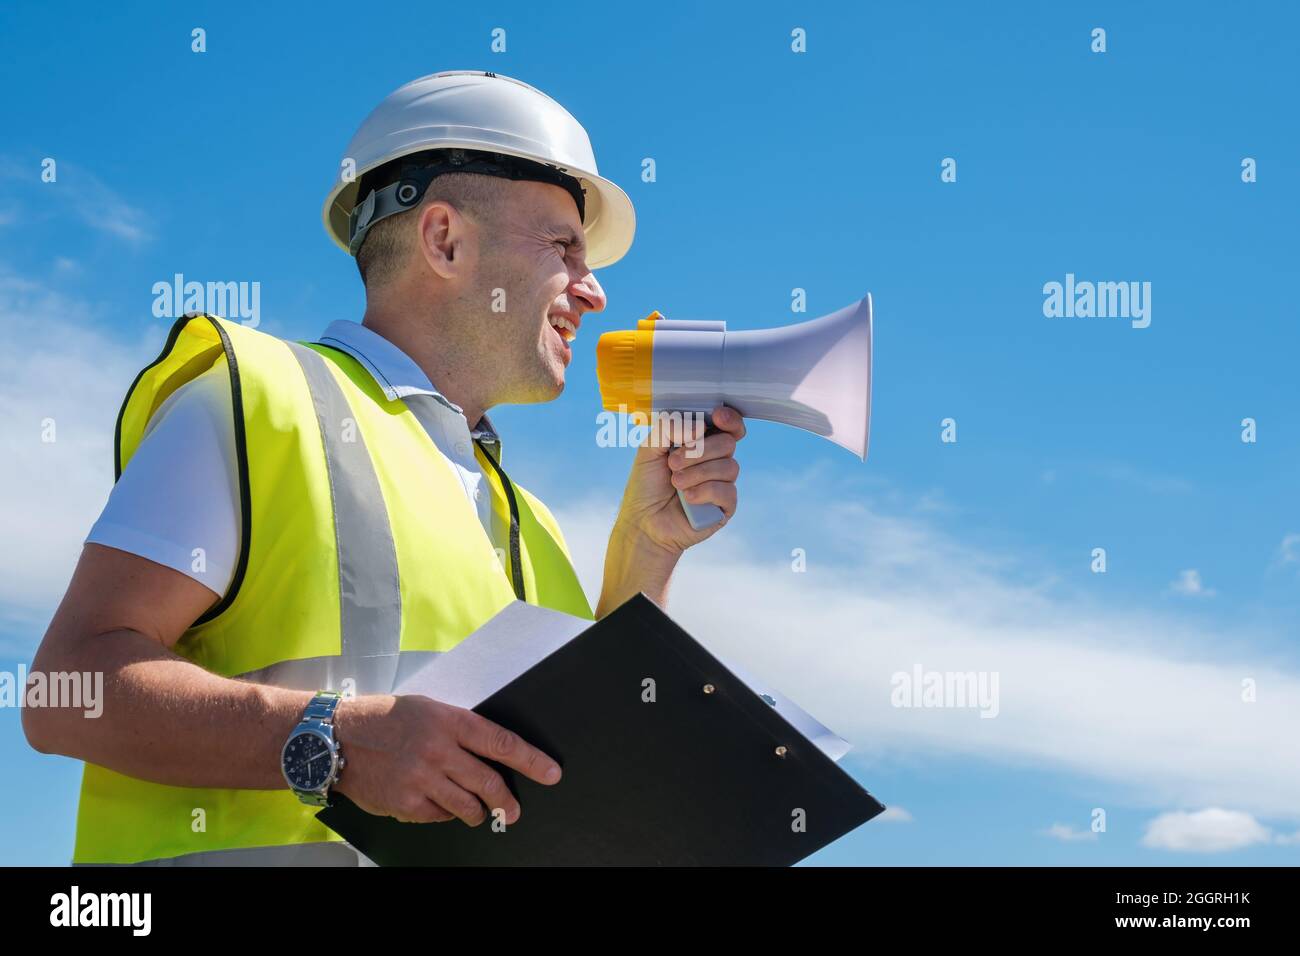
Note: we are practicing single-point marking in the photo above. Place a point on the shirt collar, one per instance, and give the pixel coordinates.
(395, 372)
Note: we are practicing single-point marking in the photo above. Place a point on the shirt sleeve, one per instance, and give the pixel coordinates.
(177, 501)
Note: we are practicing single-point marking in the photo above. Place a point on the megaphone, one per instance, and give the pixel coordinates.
(815, 376)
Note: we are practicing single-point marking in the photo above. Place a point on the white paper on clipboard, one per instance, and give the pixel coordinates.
(522, 635)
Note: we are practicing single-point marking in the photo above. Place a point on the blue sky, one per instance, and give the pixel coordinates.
(778, 170)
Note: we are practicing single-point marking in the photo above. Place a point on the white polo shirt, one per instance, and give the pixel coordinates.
(177, 501)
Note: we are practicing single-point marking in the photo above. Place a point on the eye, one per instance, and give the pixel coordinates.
(570, 248)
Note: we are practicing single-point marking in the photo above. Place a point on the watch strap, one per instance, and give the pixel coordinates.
(319, 713)
(322, 706)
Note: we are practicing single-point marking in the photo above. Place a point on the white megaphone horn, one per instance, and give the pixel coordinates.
(815, 376)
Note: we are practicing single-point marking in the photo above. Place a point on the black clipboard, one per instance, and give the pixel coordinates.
(706, 774)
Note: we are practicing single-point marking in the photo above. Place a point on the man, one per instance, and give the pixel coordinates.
(293, 521)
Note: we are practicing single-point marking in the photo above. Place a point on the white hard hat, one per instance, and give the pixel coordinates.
(488, 123)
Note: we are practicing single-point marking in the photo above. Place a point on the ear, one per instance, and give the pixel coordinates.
(446, 240)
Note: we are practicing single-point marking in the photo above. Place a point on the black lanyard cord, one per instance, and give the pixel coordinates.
(516, 566)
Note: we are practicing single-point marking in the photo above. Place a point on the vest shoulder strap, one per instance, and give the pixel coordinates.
(195, 343)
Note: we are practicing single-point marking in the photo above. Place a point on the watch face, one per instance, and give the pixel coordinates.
(307, 761)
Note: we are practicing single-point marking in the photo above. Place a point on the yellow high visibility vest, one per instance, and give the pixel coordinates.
(360, 556)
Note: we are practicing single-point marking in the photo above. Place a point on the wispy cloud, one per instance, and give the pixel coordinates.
(1068, 834)
(1189, 584)
(1140, 698)
(895, 815)
(1147, 480)
(100, 207)
(63, 381)
(82, 194)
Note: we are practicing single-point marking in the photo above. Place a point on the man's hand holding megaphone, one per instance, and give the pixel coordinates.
(682, 467)
(683, 464)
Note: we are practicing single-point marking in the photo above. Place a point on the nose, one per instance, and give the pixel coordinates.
(588, 291)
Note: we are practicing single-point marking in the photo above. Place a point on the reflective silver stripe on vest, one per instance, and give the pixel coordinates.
(296, 854)
(370, 606)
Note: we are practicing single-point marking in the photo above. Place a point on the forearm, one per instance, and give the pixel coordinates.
(632, 564)
(165, 719)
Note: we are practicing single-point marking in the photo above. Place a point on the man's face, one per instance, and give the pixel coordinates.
(536, 286)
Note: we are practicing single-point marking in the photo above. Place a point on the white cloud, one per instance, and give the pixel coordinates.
(1205, 831)
(1188, 583)
(1290, 549)
(1147, 701)
(1068, 834)
(70, 375)
(895, 815)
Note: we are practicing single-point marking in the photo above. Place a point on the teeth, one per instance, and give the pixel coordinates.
(564, 327)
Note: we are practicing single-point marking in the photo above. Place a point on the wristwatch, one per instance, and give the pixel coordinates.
(311, 759)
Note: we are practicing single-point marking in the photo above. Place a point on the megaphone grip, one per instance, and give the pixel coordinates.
(700, 516)
(706, 515)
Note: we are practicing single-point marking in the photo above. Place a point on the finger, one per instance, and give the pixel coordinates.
(656, 441)
(720, 493)
(670, 429)
(716, 469)
(420, 809)
(440, 813)
(729, 420)
(481, 736)
(457, 800)
(720, 445)
(478, 778)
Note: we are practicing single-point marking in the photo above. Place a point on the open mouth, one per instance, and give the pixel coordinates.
(568, 331)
